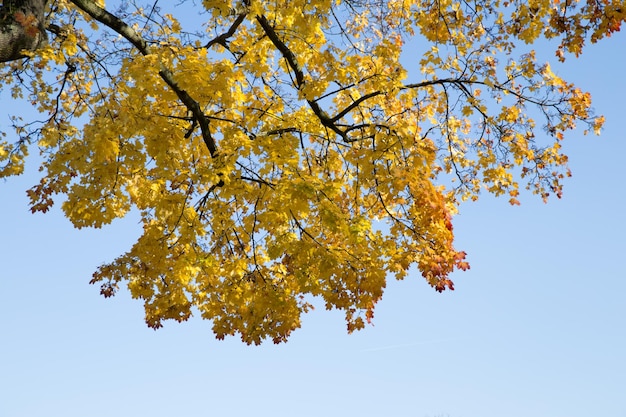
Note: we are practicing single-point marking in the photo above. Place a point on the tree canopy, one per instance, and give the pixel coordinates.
(282, 152)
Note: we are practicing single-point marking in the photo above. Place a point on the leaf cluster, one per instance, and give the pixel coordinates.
(290, 151)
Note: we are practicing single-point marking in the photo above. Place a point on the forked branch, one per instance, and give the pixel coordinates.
(119, 26)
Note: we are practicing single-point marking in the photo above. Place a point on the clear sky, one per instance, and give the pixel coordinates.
(535, 328)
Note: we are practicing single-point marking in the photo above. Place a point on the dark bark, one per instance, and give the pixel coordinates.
(22, 27)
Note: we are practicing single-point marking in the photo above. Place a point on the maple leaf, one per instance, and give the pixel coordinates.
(29, 22)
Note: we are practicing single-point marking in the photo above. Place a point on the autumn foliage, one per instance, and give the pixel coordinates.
(286, 152)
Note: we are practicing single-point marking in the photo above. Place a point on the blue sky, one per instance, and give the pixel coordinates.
(535, 328)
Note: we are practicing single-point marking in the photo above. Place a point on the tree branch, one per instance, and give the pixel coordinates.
(223, 38)
(299, 74)
(21, 28)
(119, 26)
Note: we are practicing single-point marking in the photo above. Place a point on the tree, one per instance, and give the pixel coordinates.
(286, 151)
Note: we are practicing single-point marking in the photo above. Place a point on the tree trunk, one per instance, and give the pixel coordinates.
(22, 28)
